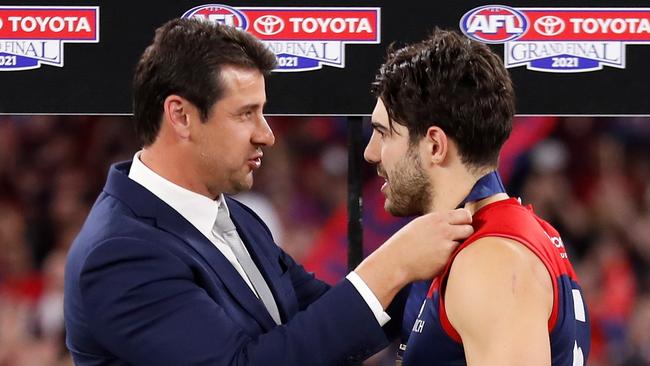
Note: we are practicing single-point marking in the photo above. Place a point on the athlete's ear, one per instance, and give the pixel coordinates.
(437, 145)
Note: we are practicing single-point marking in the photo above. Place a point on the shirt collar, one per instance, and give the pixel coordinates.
(199, 210)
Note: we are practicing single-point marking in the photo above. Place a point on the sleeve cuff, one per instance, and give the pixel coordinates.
(369, 297)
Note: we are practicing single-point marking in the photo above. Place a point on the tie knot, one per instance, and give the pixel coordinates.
(223, 223)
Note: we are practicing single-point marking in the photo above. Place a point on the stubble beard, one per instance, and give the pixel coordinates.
(410, 192)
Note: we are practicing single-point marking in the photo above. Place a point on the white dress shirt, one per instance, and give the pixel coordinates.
(201, 212)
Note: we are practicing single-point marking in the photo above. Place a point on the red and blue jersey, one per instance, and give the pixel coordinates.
(432, 340)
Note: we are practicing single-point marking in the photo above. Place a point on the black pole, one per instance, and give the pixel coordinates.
(355, 159)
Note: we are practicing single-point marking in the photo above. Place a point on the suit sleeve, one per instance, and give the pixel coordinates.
(307, 287)
(395, 310)
(144, 306)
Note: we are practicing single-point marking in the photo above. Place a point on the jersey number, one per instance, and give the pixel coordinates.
(579, 311)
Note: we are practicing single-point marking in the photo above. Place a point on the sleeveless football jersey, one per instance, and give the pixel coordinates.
(432, 339)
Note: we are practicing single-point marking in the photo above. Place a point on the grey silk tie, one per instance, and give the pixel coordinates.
(226, 228)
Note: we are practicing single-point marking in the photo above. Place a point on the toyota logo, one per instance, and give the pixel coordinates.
(268, 25)
(549, 25)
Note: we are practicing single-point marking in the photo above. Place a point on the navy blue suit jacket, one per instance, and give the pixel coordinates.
(145, 287)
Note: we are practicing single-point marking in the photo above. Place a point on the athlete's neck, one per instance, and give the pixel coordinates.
(452, 186)
(453, 181)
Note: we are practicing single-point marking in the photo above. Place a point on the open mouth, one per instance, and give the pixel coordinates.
(255, 163)
(385, 185)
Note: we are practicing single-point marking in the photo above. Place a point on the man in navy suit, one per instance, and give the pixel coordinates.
(168, 270)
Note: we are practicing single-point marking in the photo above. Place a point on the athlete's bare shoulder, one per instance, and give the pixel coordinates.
(499, 297)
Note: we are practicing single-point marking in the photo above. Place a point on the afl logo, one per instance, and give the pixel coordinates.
(494, 24)
(268, 25)
(218, 14)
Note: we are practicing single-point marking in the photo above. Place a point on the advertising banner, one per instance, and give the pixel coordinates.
(77, 57)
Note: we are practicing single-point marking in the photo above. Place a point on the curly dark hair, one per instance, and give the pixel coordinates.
(452, 82)
(185, 58)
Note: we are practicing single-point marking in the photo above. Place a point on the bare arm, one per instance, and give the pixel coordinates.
(499, 297)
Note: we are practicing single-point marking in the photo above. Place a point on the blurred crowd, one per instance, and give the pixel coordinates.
(590, 177)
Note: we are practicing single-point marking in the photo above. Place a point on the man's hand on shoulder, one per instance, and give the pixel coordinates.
(418, 251)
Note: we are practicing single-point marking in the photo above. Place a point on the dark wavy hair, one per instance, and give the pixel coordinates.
(185, 58)
(452, 82)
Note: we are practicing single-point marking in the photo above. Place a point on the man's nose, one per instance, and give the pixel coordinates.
(263, 134)
(371, 153)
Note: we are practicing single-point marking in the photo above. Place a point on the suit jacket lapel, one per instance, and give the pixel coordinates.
(251, 233)
(237, 287)
(146, 204)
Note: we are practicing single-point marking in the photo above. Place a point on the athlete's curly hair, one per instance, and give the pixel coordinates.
(452, 82)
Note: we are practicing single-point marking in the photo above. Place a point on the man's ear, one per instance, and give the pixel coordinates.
(437, 145)
(176, 110)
